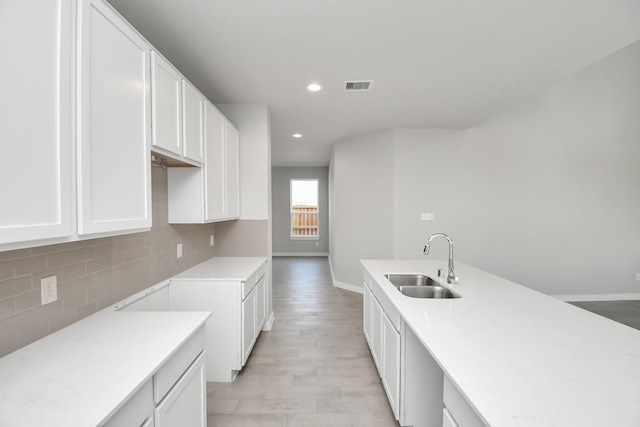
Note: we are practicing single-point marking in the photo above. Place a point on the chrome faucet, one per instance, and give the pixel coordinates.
(451, 277)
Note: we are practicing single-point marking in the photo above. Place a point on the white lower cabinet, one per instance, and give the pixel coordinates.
(237, 320)
(366, 319)
(175, 395)
(384, 342)
(248, 325)
(391, 363)
(411, 378)
(185, 404)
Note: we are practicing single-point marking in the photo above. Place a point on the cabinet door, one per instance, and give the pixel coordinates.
(165, 90)
(232, 171)
(192, 122)
(185, 404)
(376, 333)
(36, 129)
(366, 319)
(214, 163)
(260, 305)
(114, 175)
(248, 324)
(391, 363)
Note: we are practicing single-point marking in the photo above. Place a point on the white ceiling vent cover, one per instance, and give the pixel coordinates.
(358, 85)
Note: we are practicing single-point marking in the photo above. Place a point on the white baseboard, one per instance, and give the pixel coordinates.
(269, 323)
(322, 254)
(598, 297)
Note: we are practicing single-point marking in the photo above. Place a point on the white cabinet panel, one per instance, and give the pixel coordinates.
(376, 333)
(186, 403)
(261, 305)
(136, 410)
(458, 407)
(366, 320)
(447, 419)
(232, 172)
(36, 130)
(248, 325)
(192, 122)
(166, 90)
(391, 363)
(114, 175)
(214, 163)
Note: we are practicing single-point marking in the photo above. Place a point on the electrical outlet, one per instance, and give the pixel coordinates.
(211, 240)
(179, 250)
(427, 216)
(49, 289)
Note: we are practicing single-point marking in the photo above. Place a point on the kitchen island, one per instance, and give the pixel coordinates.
(517, 357)
(109, 369)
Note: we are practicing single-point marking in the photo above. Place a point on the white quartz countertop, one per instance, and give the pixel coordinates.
(522, 358)
(223, 268)
(80, 375)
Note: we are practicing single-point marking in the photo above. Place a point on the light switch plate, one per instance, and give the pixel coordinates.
(211, 241)
(637, 277)
(179, 250)
(427, 216)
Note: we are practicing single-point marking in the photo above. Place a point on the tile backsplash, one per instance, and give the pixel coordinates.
(94, 274)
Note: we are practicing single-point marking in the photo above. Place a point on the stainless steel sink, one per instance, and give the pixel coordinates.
(427, 292)
(420, 286)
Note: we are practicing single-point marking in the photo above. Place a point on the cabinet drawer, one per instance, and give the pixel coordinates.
(173, 369)
(253, 279)
(136, 410)
(458, 407)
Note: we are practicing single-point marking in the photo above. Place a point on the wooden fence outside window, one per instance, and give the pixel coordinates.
(304, 221)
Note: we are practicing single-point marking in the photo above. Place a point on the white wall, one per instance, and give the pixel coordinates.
(361, 208)
(547, 193)
(281, 193)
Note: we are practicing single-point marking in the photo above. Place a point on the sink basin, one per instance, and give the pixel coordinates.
(420, 286)
(427, 292)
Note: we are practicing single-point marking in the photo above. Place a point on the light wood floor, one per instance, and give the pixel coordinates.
(313, 368)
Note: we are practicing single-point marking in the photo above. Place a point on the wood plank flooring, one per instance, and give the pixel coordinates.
(313, 368)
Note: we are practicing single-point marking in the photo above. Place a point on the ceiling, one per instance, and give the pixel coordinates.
(435, 63)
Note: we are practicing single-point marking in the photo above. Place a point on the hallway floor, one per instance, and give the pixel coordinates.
(313, 368)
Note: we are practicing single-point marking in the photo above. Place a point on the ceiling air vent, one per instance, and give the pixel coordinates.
(358, 86)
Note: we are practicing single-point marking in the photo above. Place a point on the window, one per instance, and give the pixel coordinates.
(304, 209)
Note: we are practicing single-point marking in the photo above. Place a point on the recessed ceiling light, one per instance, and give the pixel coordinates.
(297, 135)
(314, 87)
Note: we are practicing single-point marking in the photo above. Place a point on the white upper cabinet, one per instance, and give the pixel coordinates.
(165, 93)
(36, 126)
(176, 113)
(210, 193)
(114, 171)
(192, 122)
